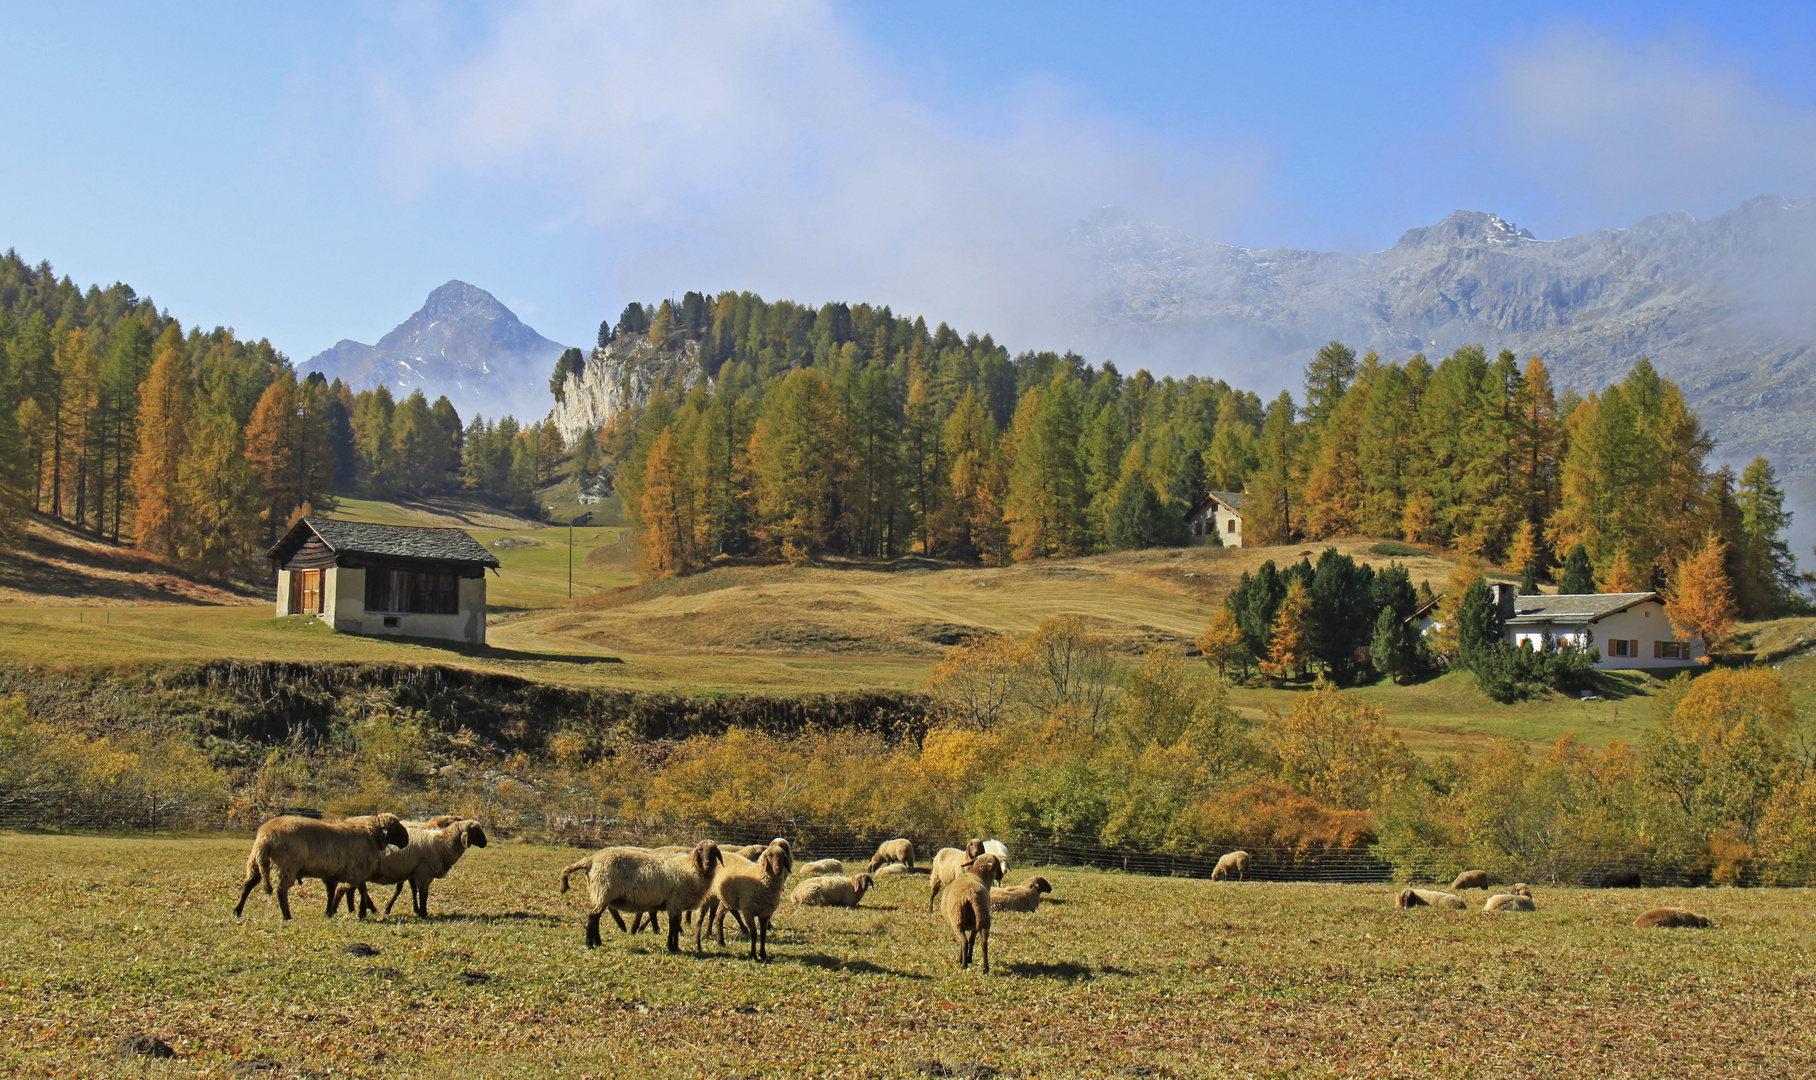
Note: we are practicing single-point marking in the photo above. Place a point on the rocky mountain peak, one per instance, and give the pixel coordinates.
(1465, 227)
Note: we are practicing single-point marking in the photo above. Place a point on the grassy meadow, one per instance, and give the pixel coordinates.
(1119, 976)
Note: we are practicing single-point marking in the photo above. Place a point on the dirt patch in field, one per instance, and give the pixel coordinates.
(55, 565)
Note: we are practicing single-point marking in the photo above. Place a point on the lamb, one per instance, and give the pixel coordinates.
(1513, 901)
(431, 854)
(1023, 897)
(335, 851)
(949, 863)
(966, 907)
(753, 892)
(996, 848)
(1668, 917)
(832, 891)
(823, 866)
(1622, 879)
(1470, 879)
(1412, 898)
(900, 850)
(1236, 862)
(634, 879)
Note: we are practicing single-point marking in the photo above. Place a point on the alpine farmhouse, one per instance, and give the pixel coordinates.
(402, 580)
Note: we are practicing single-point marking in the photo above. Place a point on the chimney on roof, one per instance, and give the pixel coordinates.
(1503, 598)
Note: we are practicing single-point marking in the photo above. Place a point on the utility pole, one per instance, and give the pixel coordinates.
(581, 520)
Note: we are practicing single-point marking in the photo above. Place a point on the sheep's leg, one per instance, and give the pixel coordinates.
(592, 930)
(332, 884)
(365, 902)
(619, 919)
(985, 934)
(252, 881)
(399, 891)
(738, 917)
(419, 895)
(284, 882)
(674, 928)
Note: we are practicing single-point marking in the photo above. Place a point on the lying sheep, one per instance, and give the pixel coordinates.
(1669, 917)
(431, 854)
(823, 866)
(1622, 879)
(1412, 898)
(1236, 862)
(966, 907)
(1023, 897)
(832, 891)
(1509, 902)
(900, 850)
(335, 851)
(948, 864)
(893, 868)
(996, 848)
(635, 879)
(753, 891)
(1470, 879)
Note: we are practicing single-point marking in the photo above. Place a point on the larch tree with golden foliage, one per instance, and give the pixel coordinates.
(666, 544)
(1700, 603)
(1291, 648)
(166, 406)
(1222, 644)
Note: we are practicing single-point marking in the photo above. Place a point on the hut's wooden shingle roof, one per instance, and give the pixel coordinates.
(393, 541)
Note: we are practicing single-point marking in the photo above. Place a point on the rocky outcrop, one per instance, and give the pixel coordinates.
(622, 376)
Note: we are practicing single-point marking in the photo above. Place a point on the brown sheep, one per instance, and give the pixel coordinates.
(751, 892)
(1669, 916)
(949, 863)
(1412, 898)
(832, 891)
(335, 851)
(899, 850)
(632, 879)
(1236, 862)
(1470, 879)
(431, 854)
(821, 867)
(1023, 897)
(966, 907)
(1509, 902)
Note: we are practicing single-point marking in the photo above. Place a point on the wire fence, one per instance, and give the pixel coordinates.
(853, 843)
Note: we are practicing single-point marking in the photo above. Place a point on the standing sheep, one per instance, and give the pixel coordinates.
(1412, 898)
(1622, 879)
(832, 891)
(1023, 897)
(949, 863)
(431, 854)
(1669, 917)
(635, 879)
(1236, 862)
(899, 850)
(335, 851)
(753, 892)
(1470, 879)
(966, 907)
(1001, 851)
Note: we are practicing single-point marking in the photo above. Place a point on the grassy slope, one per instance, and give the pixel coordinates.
(1124, 975)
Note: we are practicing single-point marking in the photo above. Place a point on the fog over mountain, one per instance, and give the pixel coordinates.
(462, 343)
(1727, 307)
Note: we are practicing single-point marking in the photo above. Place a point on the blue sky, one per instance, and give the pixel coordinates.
(310, 172)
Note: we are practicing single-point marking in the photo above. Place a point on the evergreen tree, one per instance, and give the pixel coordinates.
(799, 458)
(216, 493)
(634, 320)
(662, 328)
(1271, 512)
(571, 362)
(1394, 647)
(606, 334)
(375, 444)
(1137, 518)
(1579, 574)
(1327, 379)
(1768, 572)
(1045, 504)
(1529, 581)
(1479, 628)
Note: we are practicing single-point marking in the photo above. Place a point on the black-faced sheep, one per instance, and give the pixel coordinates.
(828, 891)
(949, 863)
(1412, 898)
(1470, 879)
(1236, 862)
(293, 848)
(1622, 879)
(1023, 897)
(1669, 917)
(633, 879)
(966, 908)
(899, 850)
(431, 854)
(753, 891)
(821, 868)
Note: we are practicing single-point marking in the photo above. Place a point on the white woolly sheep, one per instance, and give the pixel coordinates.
(635, 879)
(431, 854)
(829, 891)
(900, 850)
(966, 908)
(1023, 897)
(1236, 862)
(1001, 851)
(752, 891)
(949, 863)
(892, 868)
(823, 866)
(1412, 898)
(1669, 917)
(335, 851)
(1509, 902)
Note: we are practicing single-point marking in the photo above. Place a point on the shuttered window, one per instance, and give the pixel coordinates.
(412, 592)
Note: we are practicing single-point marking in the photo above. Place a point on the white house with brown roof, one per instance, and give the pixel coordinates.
(1630, 629)
(1218, 514)
(402, 580)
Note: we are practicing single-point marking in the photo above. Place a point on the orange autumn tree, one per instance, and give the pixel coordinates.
(1222, 644)
(1292, 641)
(166, 404)
(1700, 603)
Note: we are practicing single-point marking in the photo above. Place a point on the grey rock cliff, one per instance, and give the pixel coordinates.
(621, 376)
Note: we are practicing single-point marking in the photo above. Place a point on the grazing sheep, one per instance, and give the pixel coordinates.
(753, 892)
(1236, 862)
(335, 851)
(966, 907)
(1622, 879)
(1470, 879)
(1669, 916)
(949, 863)
(997, 848)
(635, 879)
(824, 866)
(1023, 897)
(431, 854)
(1509, 902)
(1412, 898)
(900, 850)
(832, 891)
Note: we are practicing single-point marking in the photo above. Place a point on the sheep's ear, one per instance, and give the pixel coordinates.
(476, 834)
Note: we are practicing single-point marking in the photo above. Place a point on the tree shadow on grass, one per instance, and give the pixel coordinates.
(856, 967)
(1066, 970)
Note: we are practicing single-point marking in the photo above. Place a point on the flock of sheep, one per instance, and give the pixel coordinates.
(706, 882)
(703, 883)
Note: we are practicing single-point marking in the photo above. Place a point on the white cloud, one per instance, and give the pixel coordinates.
(767, 146)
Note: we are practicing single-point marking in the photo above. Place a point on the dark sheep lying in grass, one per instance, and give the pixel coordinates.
(337, 852)
(1412, 898)
(1668, 917)
(1622, 879)
(1470, 879)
